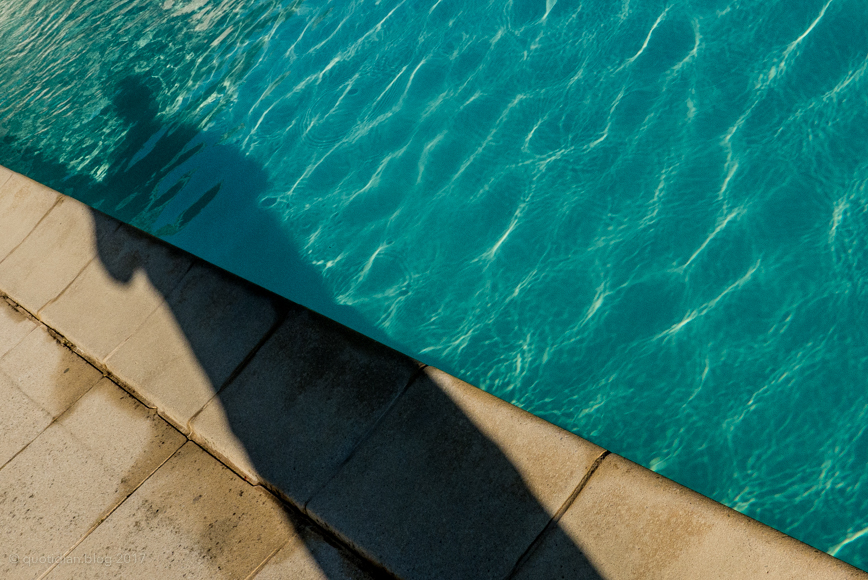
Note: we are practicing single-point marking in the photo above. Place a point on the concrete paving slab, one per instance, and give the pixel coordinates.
(184, 352)
(5, 174)
(14, 326)
(54, 253)
(47, 372)
(21, 420)
(74, 474)
(630, 523)
(311, 557)
(23, 203)
(131, 438)
(116, 292)
(303, 403)
(192, 519)
(454, 483)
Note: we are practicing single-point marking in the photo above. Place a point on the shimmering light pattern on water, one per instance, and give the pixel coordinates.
(645, 221)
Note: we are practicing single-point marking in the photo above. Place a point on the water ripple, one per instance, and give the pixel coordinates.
(654, 212)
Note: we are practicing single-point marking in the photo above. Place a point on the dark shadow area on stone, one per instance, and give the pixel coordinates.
(316, 398)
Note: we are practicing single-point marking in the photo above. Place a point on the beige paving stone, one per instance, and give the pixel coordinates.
(47, 372)
(191, 344)
(22, 204)
(454, 483)
(130, 438)
(212, 429)
(311, 557)
(5, 174)
(53, 254)
(192, 519)
(71, 476)
(14, 326)
(302, 404)
(630, 523)
(116, 292)
(21, 420)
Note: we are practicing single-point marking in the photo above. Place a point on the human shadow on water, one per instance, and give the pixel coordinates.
(355, 435)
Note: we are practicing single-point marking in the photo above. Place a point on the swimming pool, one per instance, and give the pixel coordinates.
(646, 222)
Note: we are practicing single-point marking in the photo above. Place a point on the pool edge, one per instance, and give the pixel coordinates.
(607, 517)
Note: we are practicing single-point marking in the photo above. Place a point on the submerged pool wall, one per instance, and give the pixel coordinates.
(420, 474)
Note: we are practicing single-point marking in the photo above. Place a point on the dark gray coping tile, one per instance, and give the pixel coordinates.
(300, 407)
(454, 483)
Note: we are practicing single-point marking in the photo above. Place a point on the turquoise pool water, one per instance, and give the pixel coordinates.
(645, 221)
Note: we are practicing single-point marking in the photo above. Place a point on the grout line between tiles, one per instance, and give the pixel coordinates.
(18, 245)
(364, 438)
(282, 315)
(553, 522)
(163, 300)
(297, 510)
(108, 514)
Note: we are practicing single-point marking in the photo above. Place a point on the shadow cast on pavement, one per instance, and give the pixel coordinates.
(394, 459)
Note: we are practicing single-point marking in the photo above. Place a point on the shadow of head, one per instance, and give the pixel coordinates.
(349, 431)
(116, 257)
(135, 99)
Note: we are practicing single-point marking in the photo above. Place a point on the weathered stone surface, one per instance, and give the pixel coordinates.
(14, 326)
(131, 439)
(192, 519)
(630, 523)
(22, 204)
(187, 349)
(5, 174)
(302, 404)
(54, 253)
(50, 374)
(454, 483)
(74, 474)
(21, 420)
(311, 557)
(116, 292)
